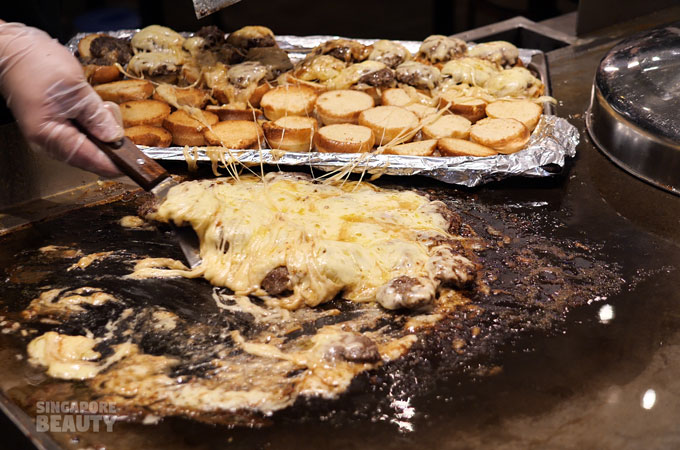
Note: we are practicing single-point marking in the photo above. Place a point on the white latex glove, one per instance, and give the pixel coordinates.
(46, 90)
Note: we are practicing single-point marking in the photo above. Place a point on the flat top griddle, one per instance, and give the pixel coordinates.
(579, 385)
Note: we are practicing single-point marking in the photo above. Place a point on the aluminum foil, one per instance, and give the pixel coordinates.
(552, 141)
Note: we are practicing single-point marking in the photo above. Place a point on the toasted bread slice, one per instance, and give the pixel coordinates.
(344, 138)
(418, 148)
(238, 134)
(256, 97)
(473, 109)
(288, 100)
(84, 45)
(462, 147)
(228, 112)
(292, 133)
(342, 106)
(395, 97)
(529, 113)
(100, 74)
(149, 135)
(388, 122)
(144, 112)
(190, 73)
(188, 96)
(421, 110)
(187, 129)
(449, 125)
(125, 90)
(289, 78)
(502, 135)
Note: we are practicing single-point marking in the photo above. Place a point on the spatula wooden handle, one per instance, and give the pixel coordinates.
(131, 161)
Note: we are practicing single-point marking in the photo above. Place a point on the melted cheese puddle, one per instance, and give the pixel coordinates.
(350, 239)
(73, 357)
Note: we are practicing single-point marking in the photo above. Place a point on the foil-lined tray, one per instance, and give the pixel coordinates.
(553, 140)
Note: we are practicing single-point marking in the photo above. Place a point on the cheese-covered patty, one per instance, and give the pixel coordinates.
(306, 242)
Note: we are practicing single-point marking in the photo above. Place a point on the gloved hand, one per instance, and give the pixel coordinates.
(46, 89)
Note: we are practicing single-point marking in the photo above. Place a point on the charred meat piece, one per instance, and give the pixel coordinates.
(107, 50)
(418, 75)
(212, 36)
(345, 50)
(247, 73)
(389, 53)
(437, 48)
(451, 268)
(277, 281)
(212, 42)
(383, 78)
(252, 36)
(406, 292)
(273, 58)
(354, 348)
(500, 52)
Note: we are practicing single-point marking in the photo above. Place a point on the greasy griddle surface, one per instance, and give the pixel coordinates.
(534, 272)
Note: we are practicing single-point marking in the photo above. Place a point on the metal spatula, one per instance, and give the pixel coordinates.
(206, 7)
(152, 177)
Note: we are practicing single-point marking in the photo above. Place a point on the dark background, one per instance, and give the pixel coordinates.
(398, 19)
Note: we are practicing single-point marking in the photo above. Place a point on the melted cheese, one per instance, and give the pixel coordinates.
(245, 74)
(515, 82)
(194, 45)
(438, 48)
(321, 67)
(499, 52)
(350, 75)
(156, 37)
(389, 53)
(133, 222)
(418, 74)
(473, 71)
(53, 302)
(150, 62)
(87, 260)
(351, 238)
(72, 357)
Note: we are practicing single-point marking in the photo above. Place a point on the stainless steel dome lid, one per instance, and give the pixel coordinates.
(634, 115)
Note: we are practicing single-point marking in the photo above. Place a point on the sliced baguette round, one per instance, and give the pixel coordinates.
(187, 129)
(342, 106)
(100, 74)
(388, 122)
(256, 97)
(449, 125)
(229, 112)
(144, 112)
(344, 138)
(421, 110)
(288, 100)
(124, 90)
(529, 113)
(503, 135)
(418, 148)
(188, 96)
(472, 108)
(149, 135)
(291, 133)
(84, 45)
(462, 147)
(395, 97)
(237, 134)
